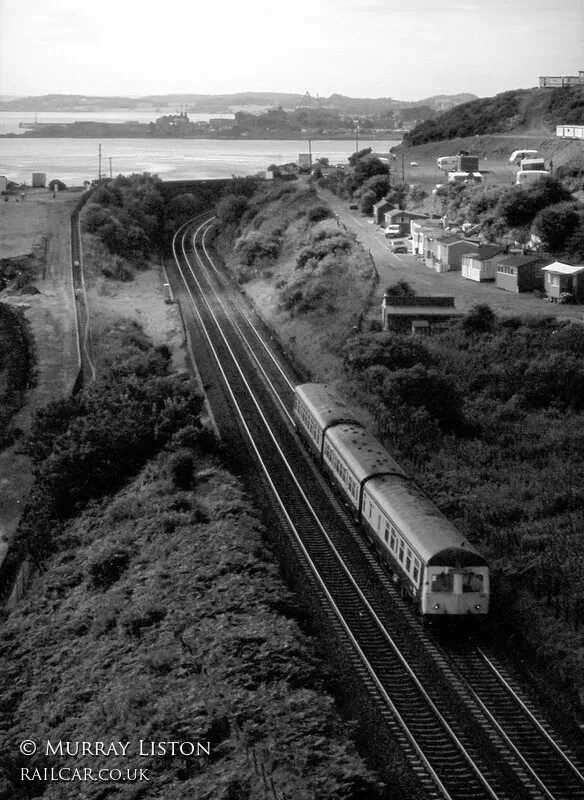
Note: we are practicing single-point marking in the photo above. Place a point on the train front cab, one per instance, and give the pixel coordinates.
(459, 589)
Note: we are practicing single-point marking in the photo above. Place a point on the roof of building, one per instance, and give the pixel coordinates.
(382, 204)
(450, 238)
(517, 259)
(563, 269)
(422, 311)
(485, 252)
(409, 214)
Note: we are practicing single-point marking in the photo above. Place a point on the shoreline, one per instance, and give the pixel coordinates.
(288, 136)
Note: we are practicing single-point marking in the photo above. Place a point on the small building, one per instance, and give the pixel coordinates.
(416, 314)
(480, 265)
(420, 229)
(39, 180)
(519, 273)
(3, 184)
(445, 252)
(220, 124)
(379, 210)
(564, 279)
(397, 216)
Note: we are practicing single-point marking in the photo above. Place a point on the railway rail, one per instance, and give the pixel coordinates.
(460, 745)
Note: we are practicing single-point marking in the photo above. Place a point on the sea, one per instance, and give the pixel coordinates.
(74, 161)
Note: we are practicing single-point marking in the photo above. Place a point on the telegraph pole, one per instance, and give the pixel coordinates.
(357, 145)
(99, 173)
(110, 160)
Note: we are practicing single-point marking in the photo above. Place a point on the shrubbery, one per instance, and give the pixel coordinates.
(126, 214)
(487, 115)
(88, 446)
(254, 247)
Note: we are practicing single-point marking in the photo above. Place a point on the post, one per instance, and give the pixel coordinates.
(110, 160)
(357, 145)
(310, 154)
(99, 172)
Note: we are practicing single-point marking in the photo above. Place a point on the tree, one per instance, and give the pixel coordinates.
(368, 199)
(398, 194)
(480, 319)
(575, 244)
(417, 194)
(358, 156)
(555, 225)
(400, 289)
(231, 209)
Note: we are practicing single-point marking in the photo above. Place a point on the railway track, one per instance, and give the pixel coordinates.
(456, 748)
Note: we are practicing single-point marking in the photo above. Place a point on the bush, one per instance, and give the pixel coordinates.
(181, 466)
(256, 246)
(480, 319)
(318, 213)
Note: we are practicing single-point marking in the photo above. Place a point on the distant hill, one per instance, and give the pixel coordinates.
(517, 111)
(208, 103)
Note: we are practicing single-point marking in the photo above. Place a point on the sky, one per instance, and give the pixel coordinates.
(404, 49)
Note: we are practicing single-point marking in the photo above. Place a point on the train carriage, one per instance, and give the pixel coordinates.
(353, 456)
(438, 567)
(316, 408)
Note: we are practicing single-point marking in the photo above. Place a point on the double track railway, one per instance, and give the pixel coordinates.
(465, 730)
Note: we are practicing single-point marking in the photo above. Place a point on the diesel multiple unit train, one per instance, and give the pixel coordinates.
(436, 566)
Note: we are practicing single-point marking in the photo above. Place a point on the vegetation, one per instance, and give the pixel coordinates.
(487, 115)
(567, 105)
(16, 367)
(488, 417)
(503, 112)
(546, 208)
(159, 614)
(318, 268)
(126, 214)
(86, 447)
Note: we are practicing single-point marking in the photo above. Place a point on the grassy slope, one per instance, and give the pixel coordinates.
(185, 645)
(313, 337)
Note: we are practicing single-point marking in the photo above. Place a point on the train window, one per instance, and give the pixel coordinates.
(386, 533)
(393, 542)
(416, 571)
(408, 560)
(472, 582)
(442, 582)
(401, 551)
(378, 521)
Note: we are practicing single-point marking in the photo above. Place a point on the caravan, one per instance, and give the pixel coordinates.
(517, 156)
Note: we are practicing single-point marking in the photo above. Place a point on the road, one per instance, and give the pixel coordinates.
(426, 281)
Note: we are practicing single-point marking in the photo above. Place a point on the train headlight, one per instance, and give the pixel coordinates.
(437, 606)
(478, 606)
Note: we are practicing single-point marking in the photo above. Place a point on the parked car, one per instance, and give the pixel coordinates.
(398, 246)
(392, 230)
(353, 207)
(414, 164)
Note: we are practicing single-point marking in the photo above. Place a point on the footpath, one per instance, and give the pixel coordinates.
(41, 224)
